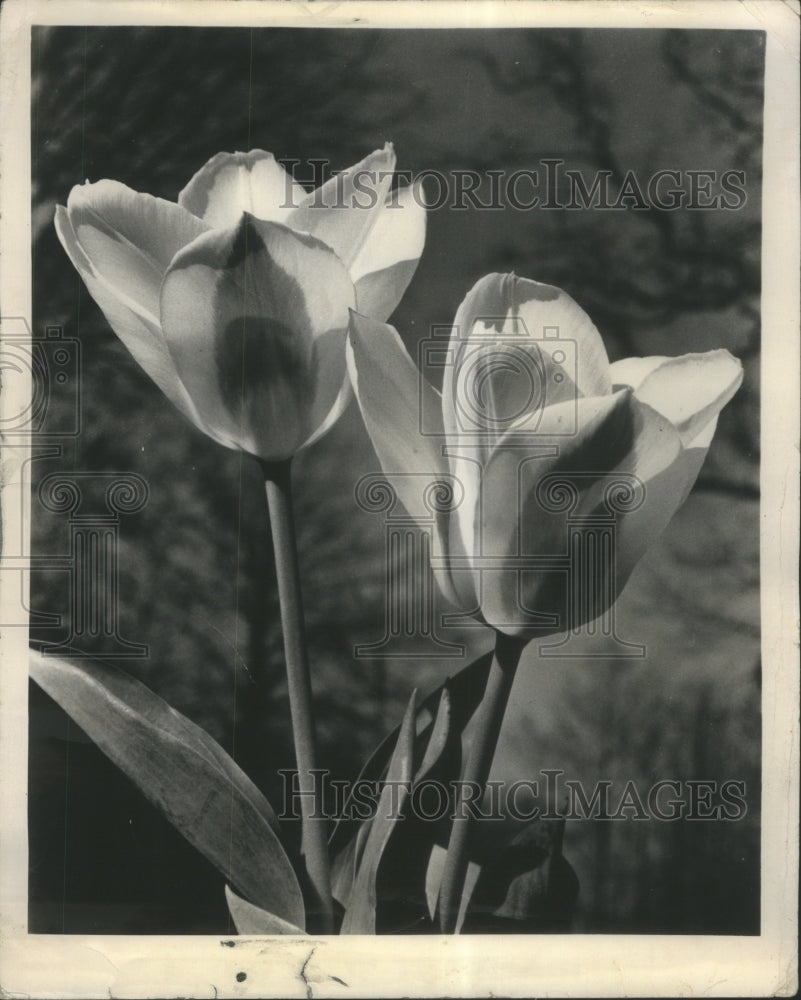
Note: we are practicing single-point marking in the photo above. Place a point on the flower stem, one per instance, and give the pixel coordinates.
(314, 846)
(488, 727)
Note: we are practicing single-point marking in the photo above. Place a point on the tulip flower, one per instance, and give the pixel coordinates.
(529, 400)
(529, 393)
(235, 300)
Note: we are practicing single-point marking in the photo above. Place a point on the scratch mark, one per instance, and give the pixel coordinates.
(340, 981)
(306, 983)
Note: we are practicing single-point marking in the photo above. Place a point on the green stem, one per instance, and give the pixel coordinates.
(277, 478)
(488, 727)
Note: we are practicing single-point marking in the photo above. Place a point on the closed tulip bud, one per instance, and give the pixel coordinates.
(531, 405)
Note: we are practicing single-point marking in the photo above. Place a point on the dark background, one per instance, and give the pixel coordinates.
(148, 107)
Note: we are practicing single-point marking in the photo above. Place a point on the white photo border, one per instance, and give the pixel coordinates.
(555, 965)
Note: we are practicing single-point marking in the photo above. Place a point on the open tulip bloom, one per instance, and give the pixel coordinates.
(531, 428)
(235, 300)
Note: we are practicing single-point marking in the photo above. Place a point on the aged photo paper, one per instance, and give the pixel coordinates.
(399, 415)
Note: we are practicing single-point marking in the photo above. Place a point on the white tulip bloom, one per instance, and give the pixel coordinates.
(517, 406)
(235, 300)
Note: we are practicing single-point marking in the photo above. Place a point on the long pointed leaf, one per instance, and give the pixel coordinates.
(436, 866)
(438, 741)
(250, 919)
(466, 688)
(181, 770)
(402, 876)
(361, 912)
(405, 858)
(346, 864)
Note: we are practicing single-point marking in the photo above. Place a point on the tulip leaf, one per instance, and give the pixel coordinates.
(436, 866)
(400, 886)
(345, 865)
(516, 883)
(401, 892)
(343, 871)
(426, 823)
(184, 773)
(466, 689)
(250, 919)
(360, 916)
(528, 888)
(440, 732)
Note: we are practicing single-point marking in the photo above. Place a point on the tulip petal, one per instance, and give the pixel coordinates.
(344, 210)
(632, 371)
(233, 183)
(689, 390)
(379, 293)
(141, 336)
(388, 388)
(130, 239)
(694, 456)
(253, 316)
(392, 396)
(661, 472)
(333, 388)
(518, 346)
(518, 521)
(666, 490)
(383, 267)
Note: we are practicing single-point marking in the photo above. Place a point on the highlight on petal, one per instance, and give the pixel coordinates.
(517, 347)
(140, 334)
(391, 396)
(388, 388)
(387, 260)
(379, 293)
(689, 390)
(666, 490)
(252, 316)
(233, 183)
(130, 239)
(632, 371)
(344, 210)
